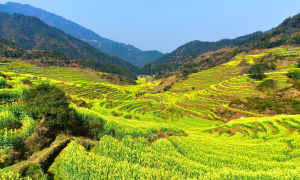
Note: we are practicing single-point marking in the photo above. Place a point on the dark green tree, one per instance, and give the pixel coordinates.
(258, 71)
(267, 85)
(50, 105)
(295, 77)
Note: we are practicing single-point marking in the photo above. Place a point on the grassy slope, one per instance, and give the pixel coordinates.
(261, 147)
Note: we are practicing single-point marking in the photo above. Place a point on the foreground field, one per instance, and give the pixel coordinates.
(177, 134)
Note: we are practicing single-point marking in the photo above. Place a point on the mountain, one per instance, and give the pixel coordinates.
(178, 59)
(194, 48)
(32, 33)
(197, 55)
(288, 32)
(45, 58)
(127, 52)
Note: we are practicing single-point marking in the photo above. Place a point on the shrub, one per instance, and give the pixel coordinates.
(278, 105)
(27, 82)
(266, 85)
(297, 85)
(167, 88)
(258, 71)
(128, 116)
(295, 40)
(258, 76)
(2, 83)
(261, 67)
(115, 114)
(35, 171)
(95, 128)
(49, 103)
(10, 94)
(295, 75)
(8, 120)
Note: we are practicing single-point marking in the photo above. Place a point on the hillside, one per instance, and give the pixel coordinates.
(188, 55)
(129, 53)
(231, 113)
(47, 58)
(197, 56)
(31, 33)
(157, 129)
(195, 48)
(288, 32)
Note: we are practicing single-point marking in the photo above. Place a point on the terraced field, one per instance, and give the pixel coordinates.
(199, 95)
(176, 134)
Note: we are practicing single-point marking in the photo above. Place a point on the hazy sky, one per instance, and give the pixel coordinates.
(166, 24)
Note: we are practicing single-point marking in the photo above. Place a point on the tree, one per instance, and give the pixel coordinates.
(258, 76)
(267, 85)
(258, 71)
(295, 76)
(50, 105)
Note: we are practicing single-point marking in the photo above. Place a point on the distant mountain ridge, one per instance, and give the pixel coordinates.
(129, 53)
(192, 57)
(195, 48)
(31, 33)
(287, 33)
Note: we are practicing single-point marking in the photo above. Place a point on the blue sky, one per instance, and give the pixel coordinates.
(166, 24)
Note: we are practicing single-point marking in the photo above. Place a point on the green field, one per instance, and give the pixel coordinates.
(176, 134)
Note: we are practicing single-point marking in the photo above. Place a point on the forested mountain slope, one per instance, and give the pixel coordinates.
(195, 48)
(47, 58)
(233, 113)
(193, 57)
(127, 52)
(288, 32)
(31, 33)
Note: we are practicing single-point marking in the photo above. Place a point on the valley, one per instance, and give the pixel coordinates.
(228, 109)
(252, 145)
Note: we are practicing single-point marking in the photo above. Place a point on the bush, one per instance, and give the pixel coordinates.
(295, 75)
(258, 76)
(35, 171)
(261, 67)
(277, 105)
(10, 94)
(295, 40)
(51, 105)
(95, 128)
(167, 88)
(27, 82)
(258, 71)
(297, 85)
(269, 84)
(2, 83)
(187, 71)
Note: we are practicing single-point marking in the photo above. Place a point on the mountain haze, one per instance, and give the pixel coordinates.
(127, 52)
